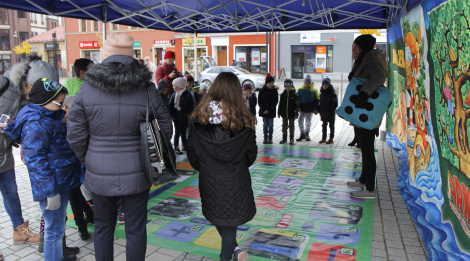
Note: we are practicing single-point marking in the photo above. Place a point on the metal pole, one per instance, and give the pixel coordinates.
(65, 43)
(195, 56)
(278, 52)
(105, 20)
(54, 50)
(267, 48)
(342, 94)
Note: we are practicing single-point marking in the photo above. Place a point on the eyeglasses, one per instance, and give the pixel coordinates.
(56, 103)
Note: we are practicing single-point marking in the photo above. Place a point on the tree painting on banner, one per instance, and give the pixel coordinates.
(417, 91)
(449, 28)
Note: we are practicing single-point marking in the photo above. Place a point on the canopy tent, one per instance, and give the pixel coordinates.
(227, 15)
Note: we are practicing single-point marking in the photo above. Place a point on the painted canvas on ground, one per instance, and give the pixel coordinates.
(304, 210)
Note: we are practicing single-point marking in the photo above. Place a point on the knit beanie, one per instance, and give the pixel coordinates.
(326, 80)
(269, 78)
(169, 54)
(44, 91)
(40, 69)
(308, 78)
(366, 42)
(190, 78)
(204, 86)
(288, 83)
(162, 85)
(117, 44)
(180, 82)
(247, 86)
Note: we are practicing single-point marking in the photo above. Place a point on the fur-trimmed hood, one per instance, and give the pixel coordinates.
(119, 74)
(19, 71)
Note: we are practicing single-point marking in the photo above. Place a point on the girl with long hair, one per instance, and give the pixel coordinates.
(222, 146)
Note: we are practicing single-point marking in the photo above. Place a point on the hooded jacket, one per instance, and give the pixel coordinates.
(309, 98)
(186, 105)
(268, 100)
(222, 158)
(374, 68)
(11, 101)
(73, 86)
(253, 101)
(289, 104)
(328, 103)
(104, 125)
(52, 165)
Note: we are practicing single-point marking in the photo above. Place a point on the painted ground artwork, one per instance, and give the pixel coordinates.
(304, 211)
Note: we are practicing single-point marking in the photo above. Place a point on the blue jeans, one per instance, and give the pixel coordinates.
(11, 200)
(268, 126)
(54, 228)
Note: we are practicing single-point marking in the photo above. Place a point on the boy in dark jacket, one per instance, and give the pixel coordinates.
(52, 165)
(309, 99)
(268, 99)
(197, 94)
(289, 105)
(250, 98)
(181, 106)
(163, 89)
(328, 105)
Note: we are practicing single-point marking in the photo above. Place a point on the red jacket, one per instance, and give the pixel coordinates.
(163, 72)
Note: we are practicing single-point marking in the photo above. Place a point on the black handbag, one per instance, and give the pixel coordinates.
(156, 153)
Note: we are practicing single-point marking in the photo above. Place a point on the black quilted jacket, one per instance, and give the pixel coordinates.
(222, 158)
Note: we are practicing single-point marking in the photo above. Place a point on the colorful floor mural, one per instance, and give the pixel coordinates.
(304, 211)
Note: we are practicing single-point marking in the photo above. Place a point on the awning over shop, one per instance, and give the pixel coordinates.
(227, 15)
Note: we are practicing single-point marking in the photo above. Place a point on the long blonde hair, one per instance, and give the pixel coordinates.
(227, 90)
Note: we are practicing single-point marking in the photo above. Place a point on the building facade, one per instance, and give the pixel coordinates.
(84, 40)
(43, 45)
(15, 28)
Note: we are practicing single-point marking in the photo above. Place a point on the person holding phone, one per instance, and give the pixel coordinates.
(167, 71)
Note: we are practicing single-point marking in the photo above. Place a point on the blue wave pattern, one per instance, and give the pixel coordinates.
(424, 200)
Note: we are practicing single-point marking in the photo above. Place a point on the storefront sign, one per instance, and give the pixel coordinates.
(137, 44)
(310, 38)
(199, 41)
(89, 45)
(50, 46)
(163, 42)
(321, 59)
(34, 48)
(241, 57)
(263, 57)
(382, 38)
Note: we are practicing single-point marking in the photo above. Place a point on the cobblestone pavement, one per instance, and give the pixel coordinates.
(395, 235)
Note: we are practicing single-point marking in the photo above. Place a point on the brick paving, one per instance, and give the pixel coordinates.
(395, 236)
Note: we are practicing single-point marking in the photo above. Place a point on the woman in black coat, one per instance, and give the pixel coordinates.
(222, 146)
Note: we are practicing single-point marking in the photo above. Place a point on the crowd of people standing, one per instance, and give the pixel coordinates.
(68, 135)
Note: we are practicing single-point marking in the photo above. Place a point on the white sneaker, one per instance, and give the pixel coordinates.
(355, 184)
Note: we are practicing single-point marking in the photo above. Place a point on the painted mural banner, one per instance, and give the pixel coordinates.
(427, 124)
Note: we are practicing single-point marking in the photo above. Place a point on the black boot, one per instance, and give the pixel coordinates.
(265, 139)
(83, 232)
(302, 137)
(292, 140)
(353, 142)
(41, 244)
(69, 251)
(308, 136)
(284, 139)
(70, 258)
(270, 141)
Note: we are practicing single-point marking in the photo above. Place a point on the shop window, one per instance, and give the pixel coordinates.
(42, 19)
(115, 27)
(83, 23)
(253, 59)
(23, 36)
(4, 16)
(95, 25)
(311, 59)
(21, 14)
(137, 53)
(50, 56)
(5, 63)
(5, 40)
(188, 55)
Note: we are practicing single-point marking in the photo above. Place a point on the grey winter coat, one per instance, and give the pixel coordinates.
(11, 101)
(374, 68)
(103, 125)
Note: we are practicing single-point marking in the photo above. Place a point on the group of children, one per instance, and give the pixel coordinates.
(301, 105)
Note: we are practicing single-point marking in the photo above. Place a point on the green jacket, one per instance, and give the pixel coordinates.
(73, 85)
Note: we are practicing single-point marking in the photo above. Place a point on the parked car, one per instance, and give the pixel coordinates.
(208, 62)
(208, 76)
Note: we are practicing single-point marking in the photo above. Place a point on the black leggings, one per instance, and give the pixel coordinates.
(180, 130)
(369, 165)
(229, 242)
